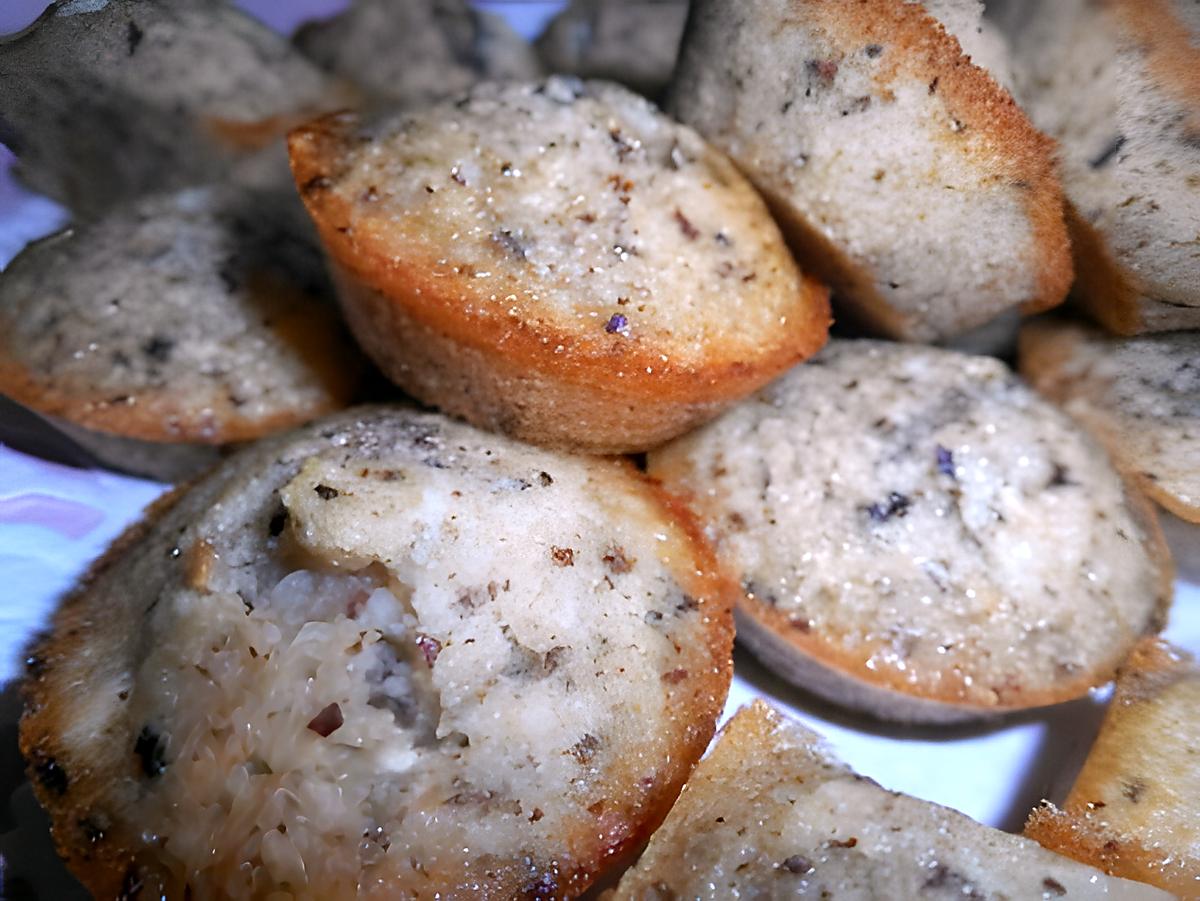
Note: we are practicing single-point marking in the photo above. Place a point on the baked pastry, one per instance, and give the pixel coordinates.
(384, 656)
(1117, 84)
(558, 261)
(981, 39)
(901, 173)
(200, 317)
(1140, 396)
(770, 813)
(104, 100)
(633, 42)
(1135, 809)
(922, 537)
(419, 51)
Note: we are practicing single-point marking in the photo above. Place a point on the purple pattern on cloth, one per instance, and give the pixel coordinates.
(70, 519)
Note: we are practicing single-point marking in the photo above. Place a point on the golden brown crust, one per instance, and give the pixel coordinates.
(586, 390)
(800, 612)
(246, 137)
(834, 675)
(845, 678)
(1168, 500)
(501, 390)
(101, 115)
(1152, 668)
(1110, 294)
(1081, 829)
(894, 697)
(1104, 290)
(771, 813)
(1002, 133)
(1051, 238)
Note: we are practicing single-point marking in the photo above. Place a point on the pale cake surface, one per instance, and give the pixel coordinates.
(771, 814)
(202, 315)
(918, 519)
(1139, 395)
(557, 261)
(904, 175)
(1129, 144)
(417, 52)
(184, 89)
(387, 655)
(1133, 810)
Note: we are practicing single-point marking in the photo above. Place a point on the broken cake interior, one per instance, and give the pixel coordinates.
(422, 679)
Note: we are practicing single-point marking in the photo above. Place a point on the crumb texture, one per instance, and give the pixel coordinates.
(771, 814)
(577, 207)
(920, 520)
(1140, 396)
(903, 174)
(390, 656)
(202, 315)
(1133, 810)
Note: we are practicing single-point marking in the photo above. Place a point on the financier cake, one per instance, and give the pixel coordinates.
(105, 99)
(558, 261)
(902, 173)
(384, 656)
(920, 536)
(175, 324)
(770, 813)
(1140, 396)
(1135, 809)
(1117, 84)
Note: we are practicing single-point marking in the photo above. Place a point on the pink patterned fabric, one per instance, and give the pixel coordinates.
(69, 518)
